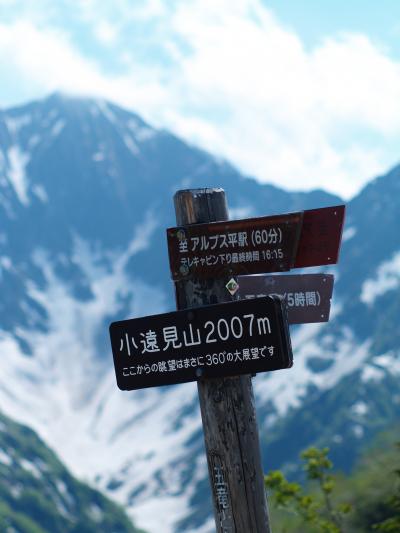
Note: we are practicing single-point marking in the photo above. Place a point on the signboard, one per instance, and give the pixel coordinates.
(320, 238)
(250, 246)
(256, 245)
(242, 337)
(307, 296)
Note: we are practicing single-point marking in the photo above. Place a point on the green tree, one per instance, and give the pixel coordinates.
(392, 524)
(316, 509)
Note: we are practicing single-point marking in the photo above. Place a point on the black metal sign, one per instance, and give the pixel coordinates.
(307, 296)
(249, 246)
(242, 337)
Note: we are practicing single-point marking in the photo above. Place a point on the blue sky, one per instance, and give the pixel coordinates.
(300, 94)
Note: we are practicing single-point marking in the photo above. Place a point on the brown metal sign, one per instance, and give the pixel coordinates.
(228, 339)
(256, 245)
(220, 249)
(321, 236)
(307, 296)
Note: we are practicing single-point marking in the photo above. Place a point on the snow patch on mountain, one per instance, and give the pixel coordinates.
(131, 145)
(237, 213)
(387, 278)
(104, 108)
(15, 124)
(359, 408)
(5, 262)
(171, 508)
(31, 467)
(5, 458)
(48, 119)
(371, 373)
(33, 141)
(349, 233)
(40, 192)
(57, 127)
(208, 527)
(98, 157)
(390, 361)
(18, 160)
(358, 431)
(285, 389)
(141, 133)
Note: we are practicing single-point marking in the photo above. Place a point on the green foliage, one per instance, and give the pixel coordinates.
(317, 511)
(10, 519)
(392, 524)
(366, 501)
(373, 484)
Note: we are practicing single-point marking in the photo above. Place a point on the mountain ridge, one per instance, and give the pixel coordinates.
(38, 495)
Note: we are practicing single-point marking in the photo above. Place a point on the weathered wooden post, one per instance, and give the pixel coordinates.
(208, 339)
(227, 404)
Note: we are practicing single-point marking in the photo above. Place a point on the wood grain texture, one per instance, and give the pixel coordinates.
(227, 405)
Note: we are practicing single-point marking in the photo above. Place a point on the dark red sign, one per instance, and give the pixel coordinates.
(307, 296)
(320, 237)
(221, 249)
(256, 245)
(241, 337)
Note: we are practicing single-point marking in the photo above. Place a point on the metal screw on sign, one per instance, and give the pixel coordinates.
(184, 269)
(181, 235)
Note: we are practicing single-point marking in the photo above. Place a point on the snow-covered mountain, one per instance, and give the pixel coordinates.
(39, 495)
(85, 196)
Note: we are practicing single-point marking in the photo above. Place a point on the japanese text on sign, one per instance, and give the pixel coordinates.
(307, 296)
(295, 299)
(211, 331)
(241, 246)
(223, 339)
(240, 239)
(222, 498)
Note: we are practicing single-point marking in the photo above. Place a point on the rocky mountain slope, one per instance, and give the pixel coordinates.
(85, 196)
(39, 495)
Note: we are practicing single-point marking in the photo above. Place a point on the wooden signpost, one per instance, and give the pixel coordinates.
(220, 342)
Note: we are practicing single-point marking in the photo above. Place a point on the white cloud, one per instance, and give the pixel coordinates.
(106, 32)
(238, 83)
(46, 58)
(287, 108)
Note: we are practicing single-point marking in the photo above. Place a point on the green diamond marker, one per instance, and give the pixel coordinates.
(232, 286)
